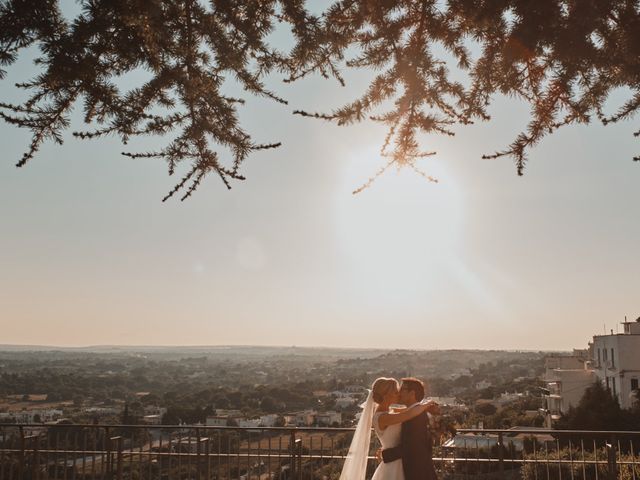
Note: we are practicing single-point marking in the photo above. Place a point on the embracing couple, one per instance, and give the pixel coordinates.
(404, 433)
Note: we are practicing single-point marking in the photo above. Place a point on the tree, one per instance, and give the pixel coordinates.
(598, 410)
(486, 409)
(556, 55)
(268, 405)
(170, 417)
(127, 419)
(563, 58)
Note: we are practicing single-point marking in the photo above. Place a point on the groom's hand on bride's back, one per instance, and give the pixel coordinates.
(379, 455)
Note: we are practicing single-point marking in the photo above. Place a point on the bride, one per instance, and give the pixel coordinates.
(386, 424)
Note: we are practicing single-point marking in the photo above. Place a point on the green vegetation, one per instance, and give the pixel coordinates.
(595, 465)
(193, 384)
(599, 410)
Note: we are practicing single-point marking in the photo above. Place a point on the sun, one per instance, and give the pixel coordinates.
(396, 237)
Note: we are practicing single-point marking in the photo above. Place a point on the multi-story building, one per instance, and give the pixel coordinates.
(567, 377)
(616, 361)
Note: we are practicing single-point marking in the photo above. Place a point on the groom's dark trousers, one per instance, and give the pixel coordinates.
(416, 448)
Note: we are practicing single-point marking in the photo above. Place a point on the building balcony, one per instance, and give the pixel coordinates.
(116, 452)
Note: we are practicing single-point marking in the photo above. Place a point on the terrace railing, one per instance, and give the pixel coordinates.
(167, 452)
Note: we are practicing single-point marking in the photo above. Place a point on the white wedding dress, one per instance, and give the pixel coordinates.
(389, 437)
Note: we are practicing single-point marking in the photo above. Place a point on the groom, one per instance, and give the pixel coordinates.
(416, 442)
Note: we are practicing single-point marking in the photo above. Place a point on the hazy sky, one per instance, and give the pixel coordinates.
(483, 259)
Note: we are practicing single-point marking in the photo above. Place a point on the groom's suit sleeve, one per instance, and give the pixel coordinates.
(417, 448)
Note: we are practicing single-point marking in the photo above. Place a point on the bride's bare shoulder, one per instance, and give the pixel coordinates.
(376, 420)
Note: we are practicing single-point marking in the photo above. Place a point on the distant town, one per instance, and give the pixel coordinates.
(291, 386)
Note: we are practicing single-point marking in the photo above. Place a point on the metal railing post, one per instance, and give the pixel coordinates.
(119, 460)
(207, 452)
(107, 454)
(199, 452)
(299, 454)
(500, 456)
(119, 457)
(22, 456)
(36, 459)
(292, 455)
(612, 465)
(35, 464)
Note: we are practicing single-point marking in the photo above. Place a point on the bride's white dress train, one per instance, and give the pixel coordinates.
(389, 437)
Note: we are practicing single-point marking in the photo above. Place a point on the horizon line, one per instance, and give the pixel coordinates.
(228, 346)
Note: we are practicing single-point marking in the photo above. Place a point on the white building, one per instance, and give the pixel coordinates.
(616, 361)
(511, 440)
(467, 441)
(152, 419)
(355, 389)
(341, 394)
(327, 419)
(217, 421)
(32, 416)
(304, 418)
(345, 402)
(249, 423)
(222, 412)
(154, 410)
(447, 401)
(269, 420)
(102, 411)
(506, 397)
(461, 372)
(567, 377)
(482, 384)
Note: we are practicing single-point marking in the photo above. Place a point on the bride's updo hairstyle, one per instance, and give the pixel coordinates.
(381, 387)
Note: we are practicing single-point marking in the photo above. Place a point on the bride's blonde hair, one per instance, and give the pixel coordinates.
(381, 387)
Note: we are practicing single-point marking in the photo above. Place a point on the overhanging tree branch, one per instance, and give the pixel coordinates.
(563, 58)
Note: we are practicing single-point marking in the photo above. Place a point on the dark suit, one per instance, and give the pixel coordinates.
(417, 448)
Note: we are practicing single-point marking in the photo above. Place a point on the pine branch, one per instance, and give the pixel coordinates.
(372, 179)
(322, 116)
(423, 174)
(194, 185)
(182, 183)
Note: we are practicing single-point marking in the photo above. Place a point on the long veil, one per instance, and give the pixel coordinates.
(355, 465)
